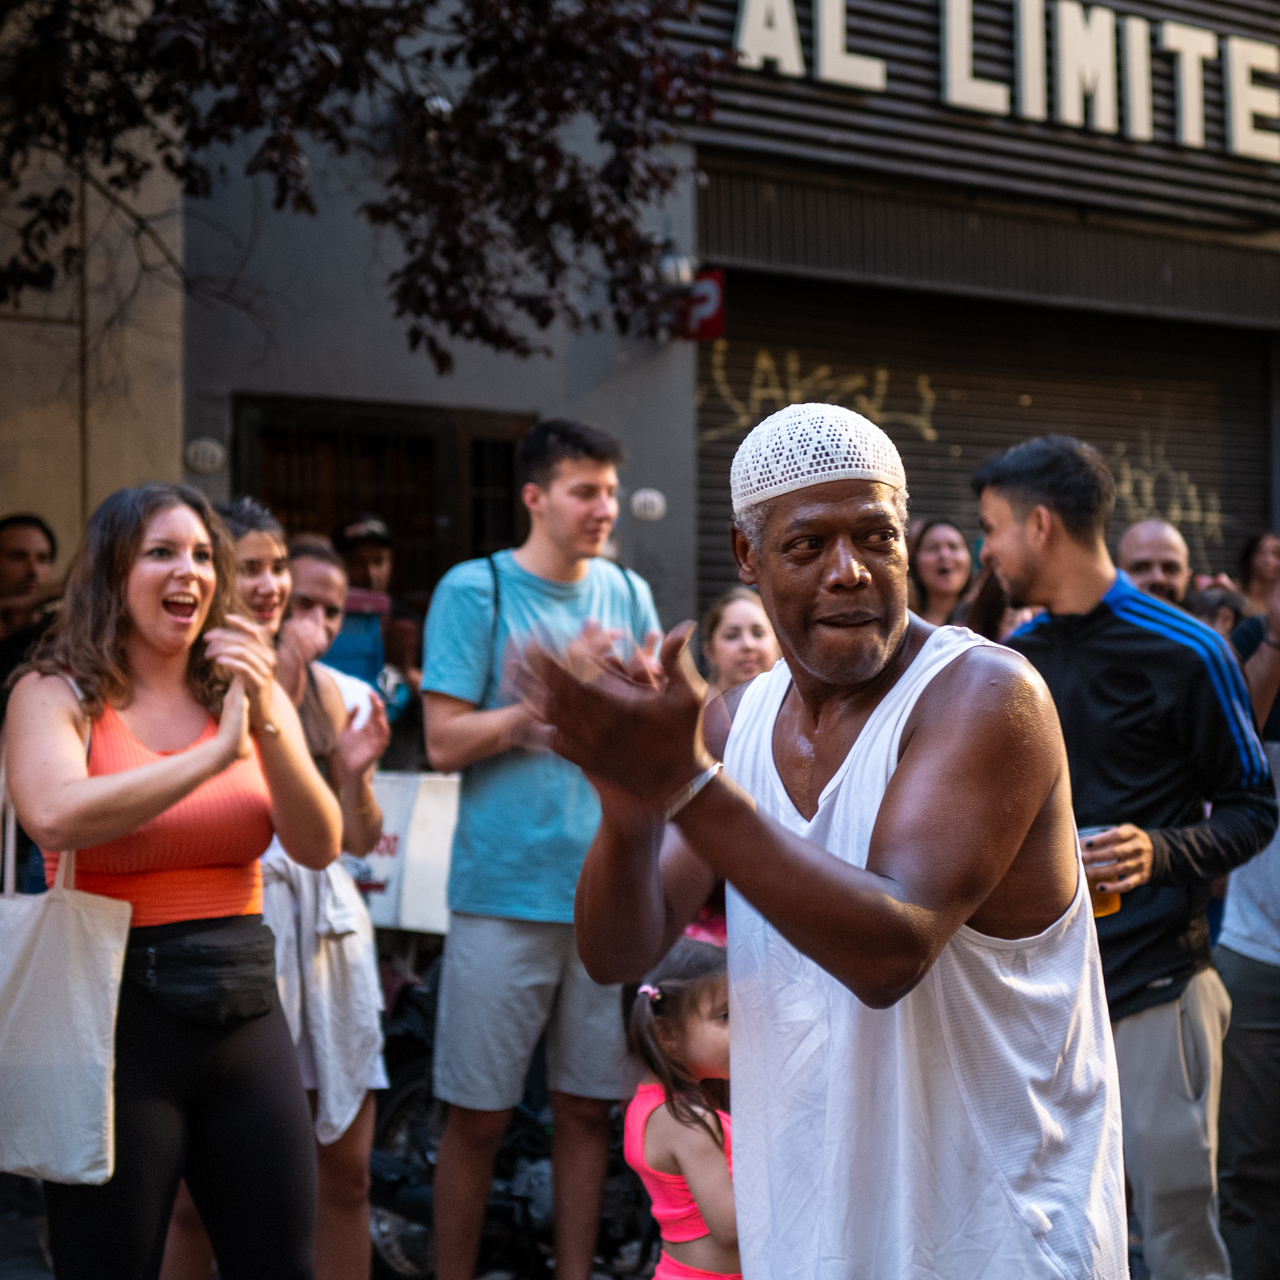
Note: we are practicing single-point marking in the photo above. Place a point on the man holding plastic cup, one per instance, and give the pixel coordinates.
(1159, 733)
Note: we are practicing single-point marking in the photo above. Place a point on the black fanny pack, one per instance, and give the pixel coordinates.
(221, 972)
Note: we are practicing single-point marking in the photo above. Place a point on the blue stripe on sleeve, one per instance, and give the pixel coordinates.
(1230, 689)
(1029, 626)
(1224, 672)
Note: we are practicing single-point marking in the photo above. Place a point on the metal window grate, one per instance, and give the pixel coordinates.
(443, 479)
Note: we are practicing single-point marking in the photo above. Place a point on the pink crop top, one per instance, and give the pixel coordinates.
(674, 1208)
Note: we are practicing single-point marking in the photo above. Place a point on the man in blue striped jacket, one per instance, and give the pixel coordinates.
(1167, 768)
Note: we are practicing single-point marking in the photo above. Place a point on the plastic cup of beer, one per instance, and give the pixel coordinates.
(1105, 902)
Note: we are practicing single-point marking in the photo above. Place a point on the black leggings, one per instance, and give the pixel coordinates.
(226, 1110)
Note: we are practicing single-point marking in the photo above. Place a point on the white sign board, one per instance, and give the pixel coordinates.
(404, 878)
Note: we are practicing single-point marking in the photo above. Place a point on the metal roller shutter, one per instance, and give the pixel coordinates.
(1180, 411)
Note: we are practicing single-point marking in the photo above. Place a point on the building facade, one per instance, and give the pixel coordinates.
(91, 374)
(972, 220)
(981, 220)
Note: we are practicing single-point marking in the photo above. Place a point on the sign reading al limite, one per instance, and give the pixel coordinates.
(1163, 107)
(1101, 67)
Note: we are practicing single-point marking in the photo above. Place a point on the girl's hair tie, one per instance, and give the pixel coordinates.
(652, 992)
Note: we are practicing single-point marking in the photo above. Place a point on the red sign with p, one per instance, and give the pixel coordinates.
(704, 308)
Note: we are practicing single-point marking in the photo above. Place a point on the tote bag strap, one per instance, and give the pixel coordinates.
(66, 877)
(10, 835)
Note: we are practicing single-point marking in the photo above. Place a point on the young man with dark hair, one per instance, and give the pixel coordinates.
(28, 550)
(26, 520)
(1158, 728)
(526, 819)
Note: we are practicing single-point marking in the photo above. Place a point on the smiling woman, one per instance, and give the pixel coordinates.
(195, 758)
(737, 639)
(940, 569)
(262, 560)
(143, 529)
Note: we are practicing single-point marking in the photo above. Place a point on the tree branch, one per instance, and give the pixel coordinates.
(504, 226)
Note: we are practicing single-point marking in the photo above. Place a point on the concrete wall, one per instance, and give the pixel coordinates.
(59, 456)
(40, 417)
(314, 319)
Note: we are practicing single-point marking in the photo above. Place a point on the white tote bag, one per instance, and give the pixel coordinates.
(61, 961)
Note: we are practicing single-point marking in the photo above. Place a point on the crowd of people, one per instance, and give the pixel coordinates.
(931, 845)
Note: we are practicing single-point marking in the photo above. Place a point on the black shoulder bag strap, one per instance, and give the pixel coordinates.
(493, 630)
(635, 603)
(497, 614)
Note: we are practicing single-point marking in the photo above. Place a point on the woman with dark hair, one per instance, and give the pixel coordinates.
(737, 639)
(195, 759)
(1259, 569)
(738, 643)
(262, 561)
(940, 569)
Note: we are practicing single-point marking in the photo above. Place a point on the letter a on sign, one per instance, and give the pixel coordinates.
(768, 32)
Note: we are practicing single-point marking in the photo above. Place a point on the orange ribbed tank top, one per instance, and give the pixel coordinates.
(198, 860)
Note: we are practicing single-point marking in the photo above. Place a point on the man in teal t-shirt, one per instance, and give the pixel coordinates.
(526, 818)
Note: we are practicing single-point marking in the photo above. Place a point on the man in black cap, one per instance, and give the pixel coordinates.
(364, 543)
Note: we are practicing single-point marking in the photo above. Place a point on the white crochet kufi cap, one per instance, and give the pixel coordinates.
(808, 444)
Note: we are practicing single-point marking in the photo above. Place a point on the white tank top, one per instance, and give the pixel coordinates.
(971, 1131)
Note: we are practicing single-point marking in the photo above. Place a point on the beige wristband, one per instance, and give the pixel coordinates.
(689, 790)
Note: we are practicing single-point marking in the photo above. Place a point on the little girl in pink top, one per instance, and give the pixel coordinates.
(677, 1139)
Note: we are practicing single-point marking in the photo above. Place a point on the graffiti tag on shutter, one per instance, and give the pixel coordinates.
(1149, 487)
(770, 391)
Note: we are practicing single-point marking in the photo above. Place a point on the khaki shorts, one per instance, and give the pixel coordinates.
(504, 982)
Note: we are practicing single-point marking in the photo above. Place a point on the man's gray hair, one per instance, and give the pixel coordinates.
(753, 519)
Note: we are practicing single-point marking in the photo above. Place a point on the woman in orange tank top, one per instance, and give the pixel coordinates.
(195, 759)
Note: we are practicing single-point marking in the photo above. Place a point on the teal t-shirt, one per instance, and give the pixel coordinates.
(526, 819)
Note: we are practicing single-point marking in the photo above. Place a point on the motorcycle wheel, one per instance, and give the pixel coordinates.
(409, 1128)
